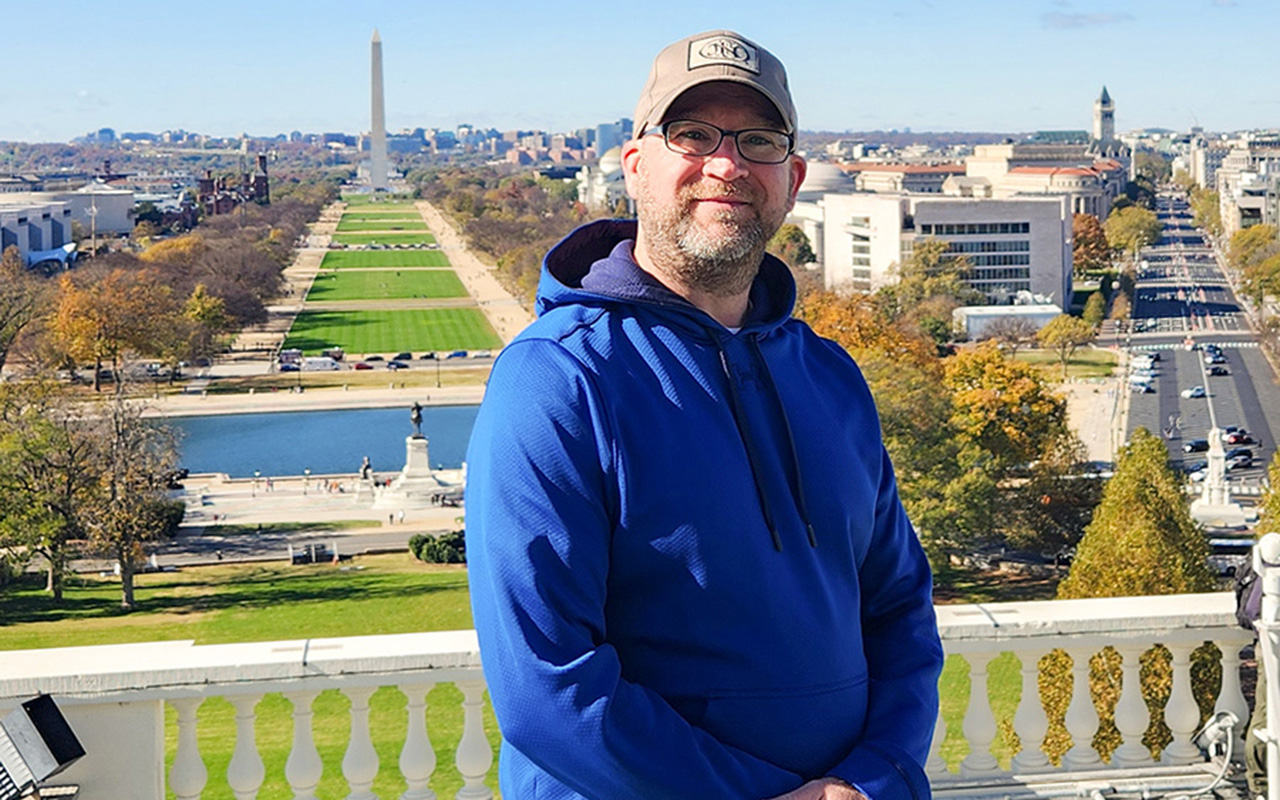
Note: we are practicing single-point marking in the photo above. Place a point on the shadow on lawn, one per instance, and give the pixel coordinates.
(25, 601)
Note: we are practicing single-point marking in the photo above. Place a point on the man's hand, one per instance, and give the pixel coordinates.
(823, 789)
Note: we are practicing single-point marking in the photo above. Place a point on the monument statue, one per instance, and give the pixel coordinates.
(415, 416)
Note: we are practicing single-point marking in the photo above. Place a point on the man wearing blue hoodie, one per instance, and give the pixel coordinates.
(690, 570)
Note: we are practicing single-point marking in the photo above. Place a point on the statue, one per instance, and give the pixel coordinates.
(415, 416)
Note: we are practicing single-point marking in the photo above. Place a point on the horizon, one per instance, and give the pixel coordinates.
(931, 66)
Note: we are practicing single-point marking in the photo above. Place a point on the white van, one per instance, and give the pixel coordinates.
(313, 363)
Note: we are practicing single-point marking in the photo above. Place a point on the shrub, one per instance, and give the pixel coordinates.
(444, 548)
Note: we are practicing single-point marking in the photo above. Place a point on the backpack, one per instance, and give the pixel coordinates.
(1248, 586)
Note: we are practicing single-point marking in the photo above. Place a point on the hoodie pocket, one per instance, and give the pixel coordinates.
(807, 730)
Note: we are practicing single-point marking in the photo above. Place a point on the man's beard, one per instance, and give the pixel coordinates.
(720, 258)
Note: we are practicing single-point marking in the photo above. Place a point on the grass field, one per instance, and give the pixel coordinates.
(346, 225)
(1084, 363)
(380, 331)
(385, 285)
(384, 594)
(364, 259)
(381, 201)
(382, 216)
(384, 238)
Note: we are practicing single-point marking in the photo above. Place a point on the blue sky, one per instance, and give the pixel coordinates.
(278, 65)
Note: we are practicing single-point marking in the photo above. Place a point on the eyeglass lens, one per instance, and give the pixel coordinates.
(761, 145)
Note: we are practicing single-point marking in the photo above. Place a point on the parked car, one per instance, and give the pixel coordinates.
(373, 358)
(403, 357)
(1218, 369)
(1195, 445)
(397, 364)
(362, 365)
(457, 354)
(1142, 387)
(1239, 462)
(1240, 451)
(481, 354)
(290, 367)
(1238, 437)
(1193, 392)
(429, 356)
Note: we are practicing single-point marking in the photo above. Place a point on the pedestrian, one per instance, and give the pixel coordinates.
(400, 517)
(391, 519)
(690, 571)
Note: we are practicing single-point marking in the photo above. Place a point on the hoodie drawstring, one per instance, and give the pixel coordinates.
(798, 491)
(753, 457)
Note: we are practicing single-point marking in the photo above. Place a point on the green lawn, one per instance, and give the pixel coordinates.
(378, 201)
(1084, 363)
(346, 225)
(381, 216)
(380, 331)
(384, 238)
(381, 594)
(385, 284)
(363, 259)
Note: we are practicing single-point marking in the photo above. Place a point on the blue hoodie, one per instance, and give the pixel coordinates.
(690, 571)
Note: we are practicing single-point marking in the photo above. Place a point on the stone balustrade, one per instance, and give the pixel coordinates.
(115, 697)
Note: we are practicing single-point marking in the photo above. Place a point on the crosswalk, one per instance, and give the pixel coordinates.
(1180, 346)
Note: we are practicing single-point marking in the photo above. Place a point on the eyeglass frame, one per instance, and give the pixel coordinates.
(661, 130)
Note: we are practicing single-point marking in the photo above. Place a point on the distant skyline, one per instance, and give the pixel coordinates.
(940, 65)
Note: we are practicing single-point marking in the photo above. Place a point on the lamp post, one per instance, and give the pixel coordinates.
(306, 478)
(437, 370)
(257, 473)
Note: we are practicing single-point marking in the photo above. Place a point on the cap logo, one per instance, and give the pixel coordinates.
(723, 50)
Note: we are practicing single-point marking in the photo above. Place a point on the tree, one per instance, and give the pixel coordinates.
(47, 475)
(1250, 245)
(1262, 278)
(1131, 229)
(1121, 306)
(1048, 509)
(1089, 248)
(1269, 504)
(1010, 332)
(101, 320)
(1205, 210)
(1142, 540)
(130, 508)
(792, 246)
(1063, 335)
(1152, 166)
(1095, 310)
(21, 298)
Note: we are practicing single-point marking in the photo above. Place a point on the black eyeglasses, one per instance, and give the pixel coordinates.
(689, 137)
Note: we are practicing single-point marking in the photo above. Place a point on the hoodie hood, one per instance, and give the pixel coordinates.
(594, 266)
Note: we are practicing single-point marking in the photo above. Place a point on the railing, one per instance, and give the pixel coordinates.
(115, 698)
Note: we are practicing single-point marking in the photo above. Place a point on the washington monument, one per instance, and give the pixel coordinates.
(378, 125)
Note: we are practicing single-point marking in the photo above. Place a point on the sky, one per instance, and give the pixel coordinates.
(263, 68)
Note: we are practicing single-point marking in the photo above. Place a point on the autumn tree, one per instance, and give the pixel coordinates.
(1095, 310)
(21, 299)
(792, 246)
(1063, 335)
(1131, 229)
(1142, 539)
(1206, 213)
(1269, 504)
(100, 320)
(1090, 249)
(1250, 245)
(1262, 278)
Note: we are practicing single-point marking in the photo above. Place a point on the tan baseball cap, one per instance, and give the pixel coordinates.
(707, 57)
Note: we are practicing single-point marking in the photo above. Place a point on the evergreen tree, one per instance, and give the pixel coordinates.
(1142, 540)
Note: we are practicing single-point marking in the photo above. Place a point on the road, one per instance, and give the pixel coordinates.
(1183, 300)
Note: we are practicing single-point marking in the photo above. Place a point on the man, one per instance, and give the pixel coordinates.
(690, 570)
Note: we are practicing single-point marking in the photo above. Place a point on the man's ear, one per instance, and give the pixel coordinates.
(799, 168)
(631, 159)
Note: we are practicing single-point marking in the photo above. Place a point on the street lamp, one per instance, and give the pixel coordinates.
(306, 478)
(257, 473)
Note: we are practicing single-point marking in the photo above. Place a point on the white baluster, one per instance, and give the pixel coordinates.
(1132, 715)
(936, 766)
(474, 756)
(1029, 721)
(245, 772)
(417, 758)
(1082, 717)
(188, 776)
(360, 764)
(1182, 715)
(1231, 697)
(304, 768)
(979, 722)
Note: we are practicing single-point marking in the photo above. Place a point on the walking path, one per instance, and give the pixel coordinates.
(504, 312)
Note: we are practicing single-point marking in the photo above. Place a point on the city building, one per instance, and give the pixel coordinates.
(1245, 178)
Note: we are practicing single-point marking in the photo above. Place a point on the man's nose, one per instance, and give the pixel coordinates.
(726, 163)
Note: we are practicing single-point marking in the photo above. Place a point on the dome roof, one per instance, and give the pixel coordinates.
(823, 177)
(611, 161)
